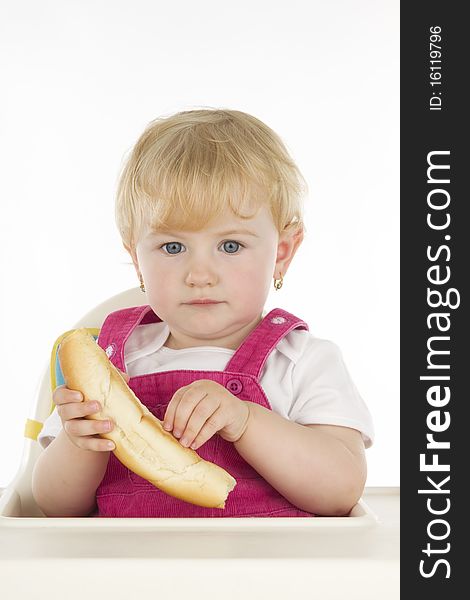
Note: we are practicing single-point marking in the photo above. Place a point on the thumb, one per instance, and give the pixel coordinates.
(124, 375)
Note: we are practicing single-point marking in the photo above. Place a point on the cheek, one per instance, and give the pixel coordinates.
(252, 278)
(155, 272)
(261, 264)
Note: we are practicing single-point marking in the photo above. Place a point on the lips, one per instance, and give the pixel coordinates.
(204, 301)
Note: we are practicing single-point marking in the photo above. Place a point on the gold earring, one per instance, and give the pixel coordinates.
(142, 286)
(278, 282)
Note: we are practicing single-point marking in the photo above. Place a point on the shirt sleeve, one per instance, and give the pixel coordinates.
(324, 393)
(51, 428)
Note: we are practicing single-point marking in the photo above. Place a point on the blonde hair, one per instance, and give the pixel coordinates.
(187, 168)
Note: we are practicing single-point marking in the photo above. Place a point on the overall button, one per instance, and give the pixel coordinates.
(234, 386)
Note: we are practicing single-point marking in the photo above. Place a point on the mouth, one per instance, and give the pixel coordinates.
(203, 301)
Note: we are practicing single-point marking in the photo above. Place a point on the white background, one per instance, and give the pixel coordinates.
(81, 80)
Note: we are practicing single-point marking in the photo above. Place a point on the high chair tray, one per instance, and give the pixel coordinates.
(360, 517)
(368, 535)
(354, 557)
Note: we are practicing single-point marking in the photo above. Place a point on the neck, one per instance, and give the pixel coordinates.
(179, 341)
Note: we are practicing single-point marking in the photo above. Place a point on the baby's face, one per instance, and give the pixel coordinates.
(232, 262)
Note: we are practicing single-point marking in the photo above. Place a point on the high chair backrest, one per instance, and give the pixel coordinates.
(17, 499)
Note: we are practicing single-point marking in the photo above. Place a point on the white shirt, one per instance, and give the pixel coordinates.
(304, 377)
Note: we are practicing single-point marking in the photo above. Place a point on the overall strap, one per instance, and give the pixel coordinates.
(118, 326)
(255, 349)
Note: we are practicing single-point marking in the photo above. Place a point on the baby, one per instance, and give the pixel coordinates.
(209, 209)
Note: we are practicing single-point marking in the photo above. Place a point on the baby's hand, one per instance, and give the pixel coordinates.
(199, 410)
(82, 432)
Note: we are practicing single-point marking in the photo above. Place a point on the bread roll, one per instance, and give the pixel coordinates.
(142, 444)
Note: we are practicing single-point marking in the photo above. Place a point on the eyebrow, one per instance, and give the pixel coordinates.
(220, 233)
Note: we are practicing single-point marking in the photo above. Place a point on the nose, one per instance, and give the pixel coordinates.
(201, 276)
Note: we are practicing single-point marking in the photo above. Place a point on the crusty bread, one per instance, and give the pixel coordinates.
(142, 444)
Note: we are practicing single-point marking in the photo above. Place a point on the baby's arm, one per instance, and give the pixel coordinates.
(318, 468)
(68, 472)
(65, 478)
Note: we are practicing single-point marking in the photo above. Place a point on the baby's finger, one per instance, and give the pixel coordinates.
(125, 376)
(95, 443)
(171, 408)
(186, 405)
(78, 410)
(203, 418)
(210, 427)
(63, 395)
(84, 427)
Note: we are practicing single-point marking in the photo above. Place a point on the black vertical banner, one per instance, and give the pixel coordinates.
(435, 346)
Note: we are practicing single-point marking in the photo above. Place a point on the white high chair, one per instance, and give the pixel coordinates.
(332, 556)
(17, 499)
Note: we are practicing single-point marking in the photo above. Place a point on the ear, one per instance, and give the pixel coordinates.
(288, 244)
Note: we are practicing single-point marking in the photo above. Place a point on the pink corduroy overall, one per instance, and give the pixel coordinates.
(122, 493)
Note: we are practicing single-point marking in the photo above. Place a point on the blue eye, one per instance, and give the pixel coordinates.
(229, 246)
(172, 246)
